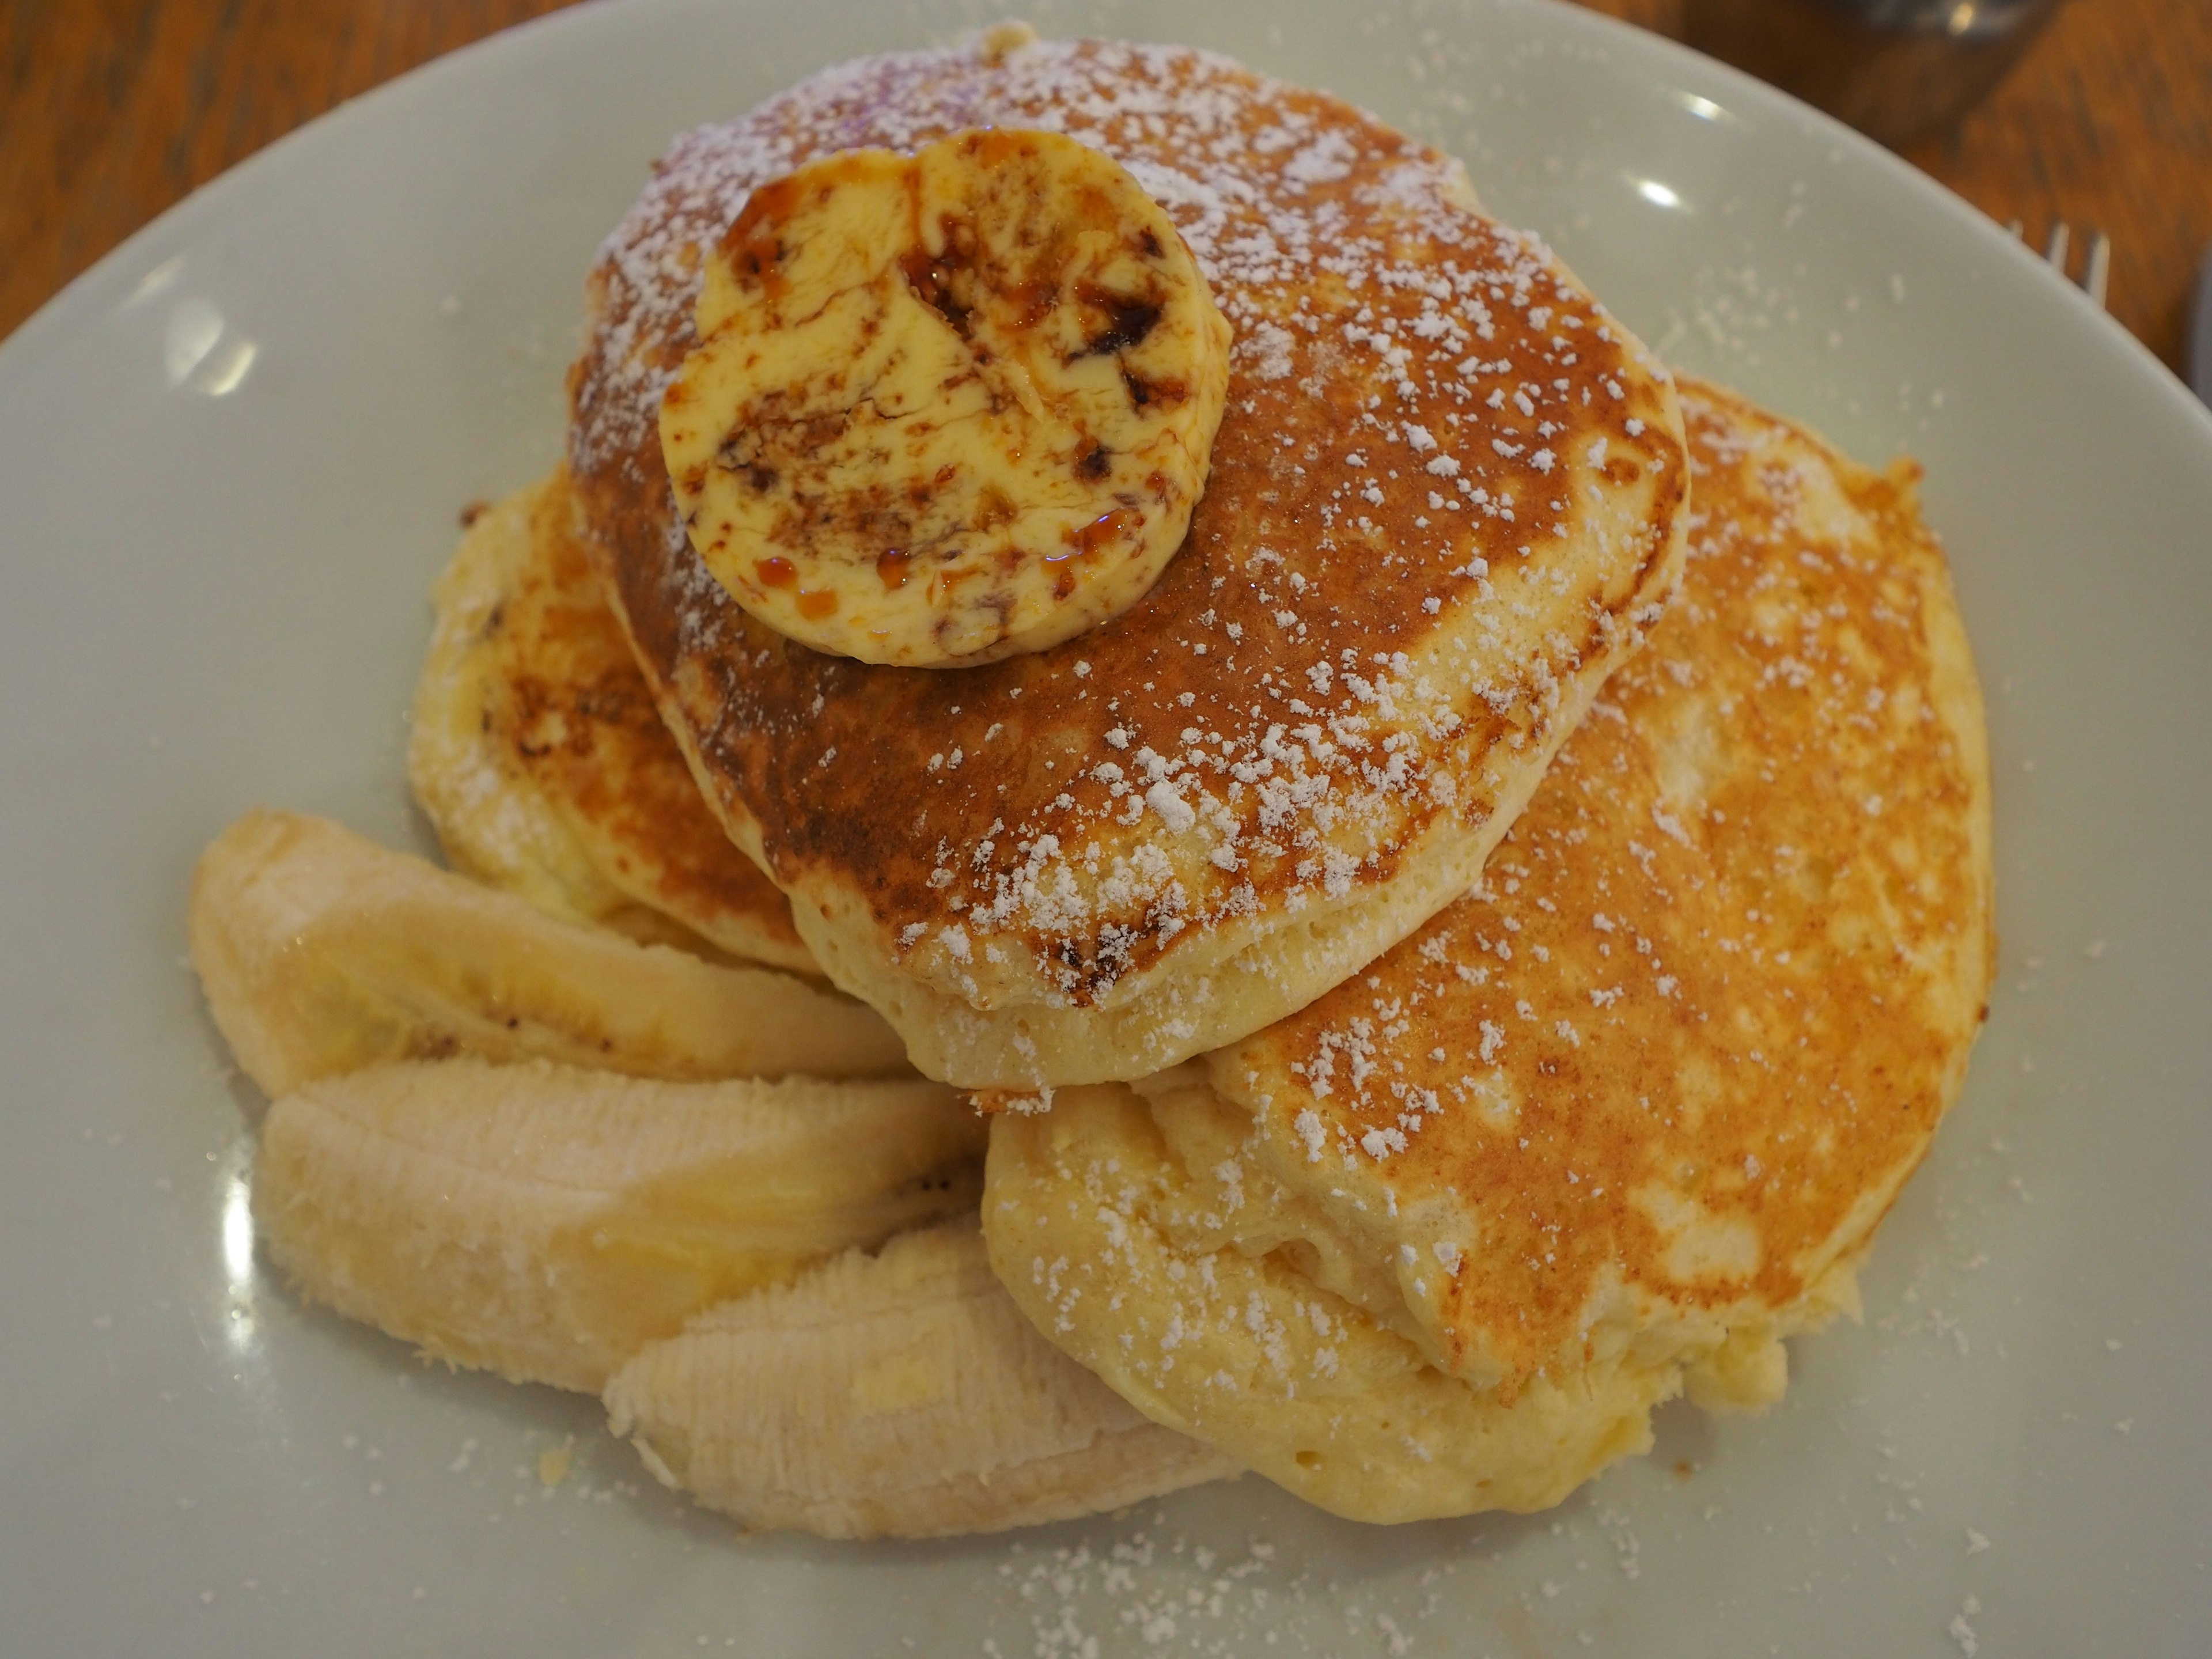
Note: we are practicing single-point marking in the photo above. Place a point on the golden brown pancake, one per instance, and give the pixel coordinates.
(539, 754)
(1443, 506)
(1629, 1110)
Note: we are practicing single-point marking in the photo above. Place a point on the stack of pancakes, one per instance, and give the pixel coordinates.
(1476, 949)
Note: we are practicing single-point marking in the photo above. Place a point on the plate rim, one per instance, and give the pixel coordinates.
(39, 332)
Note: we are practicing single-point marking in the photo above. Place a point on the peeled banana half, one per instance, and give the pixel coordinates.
(321, 952)
(900, 1395)
(546, 1222)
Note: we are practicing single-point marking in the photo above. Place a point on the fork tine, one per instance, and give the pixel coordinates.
(2054, 252)
(2099, 276)
(2096, 272)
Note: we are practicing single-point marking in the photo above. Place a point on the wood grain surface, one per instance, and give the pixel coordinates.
(111, 110)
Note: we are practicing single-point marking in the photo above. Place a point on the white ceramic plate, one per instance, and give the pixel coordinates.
(230, 461)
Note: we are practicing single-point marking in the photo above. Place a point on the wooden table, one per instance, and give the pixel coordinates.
(111, 110)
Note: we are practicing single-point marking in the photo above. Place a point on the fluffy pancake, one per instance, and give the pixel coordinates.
(1630, 1109)
(1443, 505)
(537, 751)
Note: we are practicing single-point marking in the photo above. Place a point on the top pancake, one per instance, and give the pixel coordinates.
(1443, 505)
(1635, 1105)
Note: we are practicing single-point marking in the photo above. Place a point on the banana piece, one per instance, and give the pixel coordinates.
(896, 1395)
(321, 952)
(547, 1223)
(537, 751)
(947, 406)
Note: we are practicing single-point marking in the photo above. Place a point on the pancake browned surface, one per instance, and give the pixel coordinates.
(1632, 1109)
(539, 753)
(1443, 505)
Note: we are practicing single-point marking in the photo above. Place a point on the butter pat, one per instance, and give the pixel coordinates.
(947, 407)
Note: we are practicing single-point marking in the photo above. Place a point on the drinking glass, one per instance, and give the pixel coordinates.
(1896, 69)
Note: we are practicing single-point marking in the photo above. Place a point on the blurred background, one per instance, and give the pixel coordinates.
(2096, 114)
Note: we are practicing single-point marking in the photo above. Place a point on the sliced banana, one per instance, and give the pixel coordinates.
(896, 1395)
(547, 1223)
(321, 952)
(948, 406)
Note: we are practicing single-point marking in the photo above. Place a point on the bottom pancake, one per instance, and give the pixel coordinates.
(1621, 1120)
(539, 752)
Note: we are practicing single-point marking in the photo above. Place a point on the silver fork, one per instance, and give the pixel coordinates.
(2096, 274)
